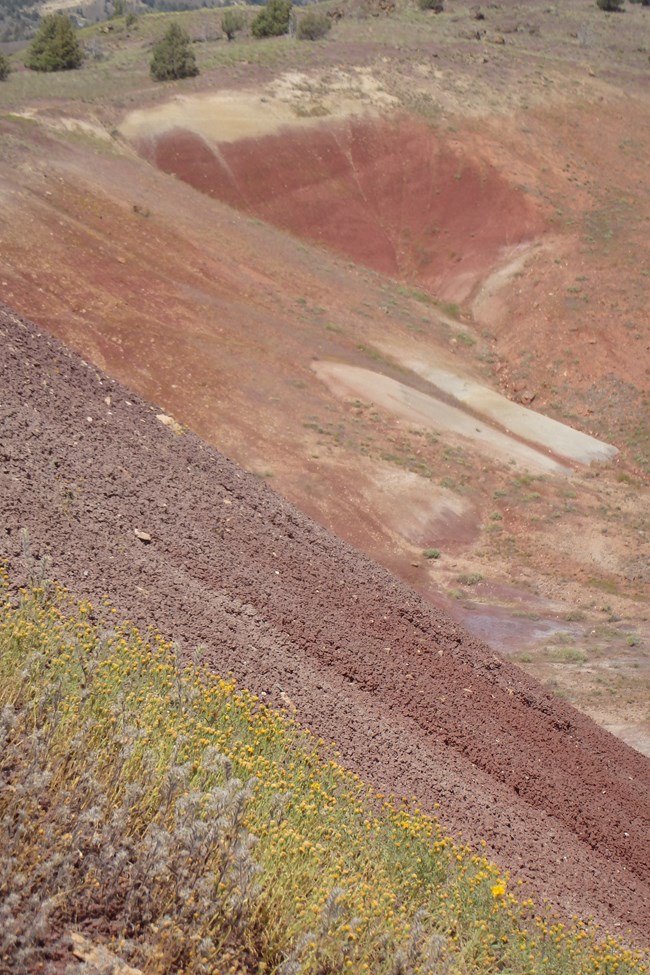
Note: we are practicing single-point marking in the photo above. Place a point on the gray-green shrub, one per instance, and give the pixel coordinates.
(313, 26)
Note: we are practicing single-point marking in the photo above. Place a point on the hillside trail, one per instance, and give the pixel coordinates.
(416, 705)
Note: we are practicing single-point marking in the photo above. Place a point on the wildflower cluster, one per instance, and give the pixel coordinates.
(137, 785)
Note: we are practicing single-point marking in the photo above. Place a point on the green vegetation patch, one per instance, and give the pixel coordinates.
(469, 578)
(55, 47)
(173, 57)
(194, 829)
(273, 19)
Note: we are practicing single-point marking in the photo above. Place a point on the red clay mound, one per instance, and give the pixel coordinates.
(388, 194)
(417, 705)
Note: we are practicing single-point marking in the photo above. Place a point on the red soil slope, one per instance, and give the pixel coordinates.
(390, 194)
(416, 704)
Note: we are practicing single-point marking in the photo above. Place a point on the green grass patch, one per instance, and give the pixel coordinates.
(567, 655)
(604, 585)
(417, 294)
(450, 308)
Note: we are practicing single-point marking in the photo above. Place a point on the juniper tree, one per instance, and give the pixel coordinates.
(55, 47)
(232, 22)
(273, 19)
(173, 56)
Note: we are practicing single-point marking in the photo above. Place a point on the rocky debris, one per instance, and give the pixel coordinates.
(291, 610)
(522, 393)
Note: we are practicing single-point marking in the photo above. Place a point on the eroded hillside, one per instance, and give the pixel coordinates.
(181, 537)
(483, 207)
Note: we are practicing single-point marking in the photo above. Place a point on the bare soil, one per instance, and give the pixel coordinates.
(390, 194)
(417, 705)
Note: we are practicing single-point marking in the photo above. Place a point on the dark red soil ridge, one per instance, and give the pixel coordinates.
(389, 194)
(417, 706)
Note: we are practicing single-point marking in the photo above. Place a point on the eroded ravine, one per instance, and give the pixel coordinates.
(387, 192)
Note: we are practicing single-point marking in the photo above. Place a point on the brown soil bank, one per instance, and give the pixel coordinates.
(417, 706)
(390, 194)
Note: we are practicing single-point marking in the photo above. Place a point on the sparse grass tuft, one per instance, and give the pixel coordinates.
(469, 578)
(132, 788)
(431, 553)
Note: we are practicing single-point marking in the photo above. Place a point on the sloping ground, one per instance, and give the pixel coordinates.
(418, 407)
(389, 193)
(219, 318)
(416, 705)
(529, 425)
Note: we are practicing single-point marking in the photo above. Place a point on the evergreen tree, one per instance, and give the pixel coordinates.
(232, 22)
(4, 67)
(273, 19)
(173, 56)
(55, 47)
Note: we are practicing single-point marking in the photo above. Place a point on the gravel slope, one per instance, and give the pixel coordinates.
(416, 705)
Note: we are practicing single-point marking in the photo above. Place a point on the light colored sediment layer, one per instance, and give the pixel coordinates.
(541, 430)
(293, 99)
(225, 117)
(416, 407)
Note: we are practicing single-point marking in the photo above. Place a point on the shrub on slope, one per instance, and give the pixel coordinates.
(137, 785)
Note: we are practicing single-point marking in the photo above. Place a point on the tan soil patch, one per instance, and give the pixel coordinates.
(294, 99)
(536, 428)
